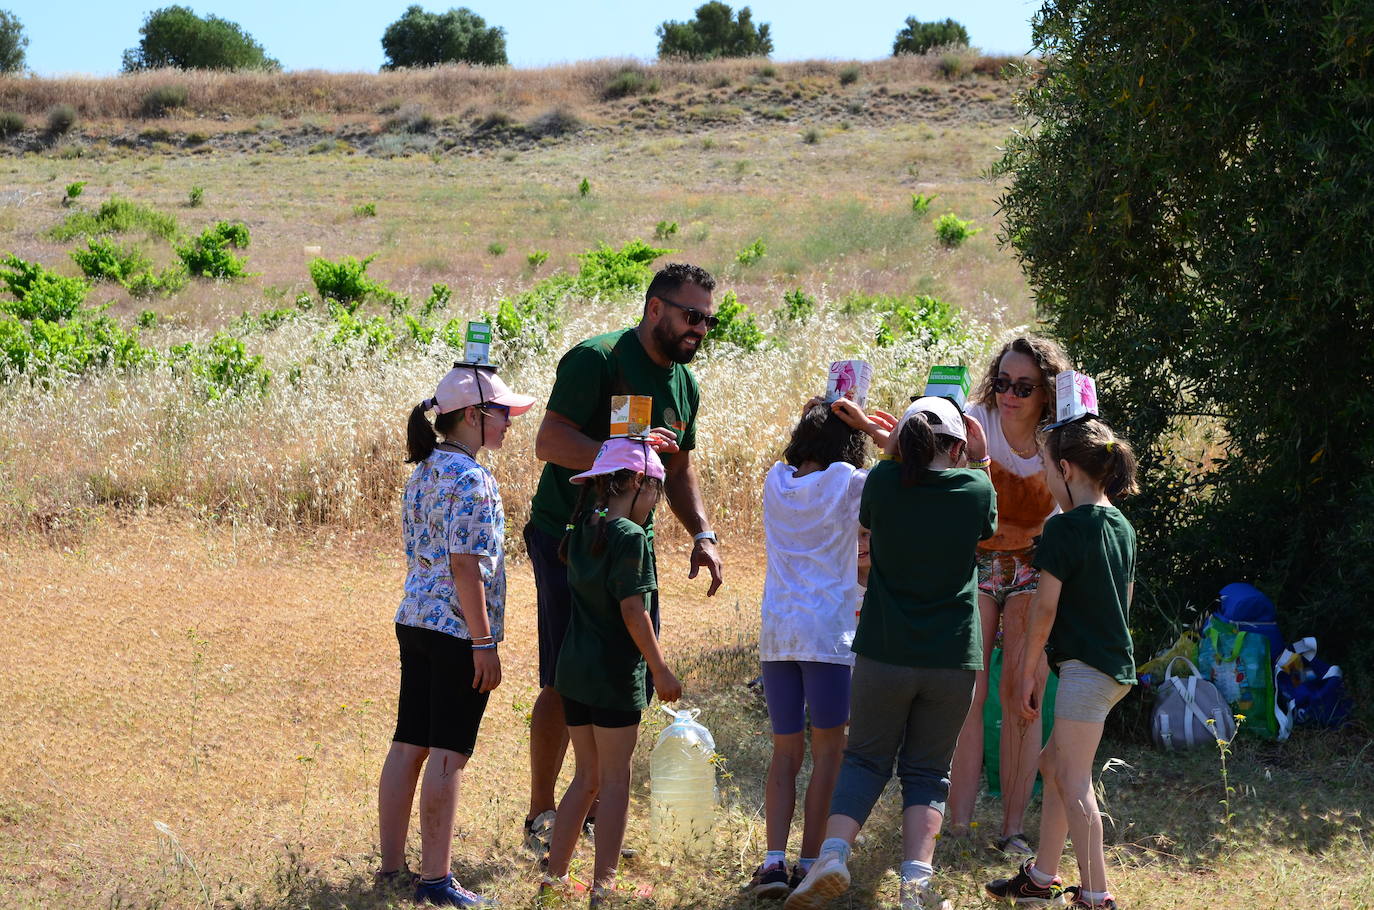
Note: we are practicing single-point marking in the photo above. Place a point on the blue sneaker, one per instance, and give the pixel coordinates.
(448, 893)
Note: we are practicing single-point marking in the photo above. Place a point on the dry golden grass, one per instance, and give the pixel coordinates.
(237, 687)
(441, 90)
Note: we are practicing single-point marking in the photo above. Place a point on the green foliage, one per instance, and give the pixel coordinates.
(918, 316)
(39, 293)
(161, 101)
(1216, 281)
(584, 188)
(104, 260)
(365, 210)
(12, 124)
(61, 119)
(716, 31)
(12, 43)
(798, 306)
(608, 272)
(439, 296)
(811, 135)
(420, 38)
(952, 231)
(209, 255)
(920, 202)
(147, 319)
(850, 75)
(665, 229)
(346, 282)
(266, 321)
(116, 215)
(373, 333)
(145, 284)
(737, 326)
(752, 253)
(919, 37)
(222, 368)
(627, 81)
(176, 37)
(496, 248)
(73, 191)
(196, 197)
(45, 349)
(536, 258)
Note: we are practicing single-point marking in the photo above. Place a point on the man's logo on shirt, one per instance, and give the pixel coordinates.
(671, 419)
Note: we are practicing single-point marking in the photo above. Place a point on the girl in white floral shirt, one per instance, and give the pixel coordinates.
(449, 621)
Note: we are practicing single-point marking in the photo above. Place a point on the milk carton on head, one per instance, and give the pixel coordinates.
(477, 343)
(1075, 396)
(631, 415)
(849, 379)
(948, 382)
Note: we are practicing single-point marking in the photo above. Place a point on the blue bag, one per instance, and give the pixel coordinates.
(1311, 692)
(1250, 610)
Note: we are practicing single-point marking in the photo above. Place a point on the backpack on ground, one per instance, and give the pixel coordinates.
(1251, 610)
(1311, 692)
(1238, 664)
(1189, 711)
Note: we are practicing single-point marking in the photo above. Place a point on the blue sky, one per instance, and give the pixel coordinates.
(88, 36)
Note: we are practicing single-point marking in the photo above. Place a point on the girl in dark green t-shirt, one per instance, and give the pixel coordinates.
(609, 643)
(1086, 558)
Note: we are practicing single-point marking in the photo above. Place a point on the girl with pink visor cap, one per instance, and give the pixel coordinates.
(608, 647)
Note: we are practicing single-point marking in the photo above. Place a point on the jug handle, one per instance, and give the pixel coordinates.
(687, 714)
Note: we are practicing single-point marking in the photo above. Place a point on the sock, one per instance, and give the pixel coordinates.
(806, 862)
(1040, 878)
(434, 881)
(775, 856)
(913, 870)
(1092, 897)
(836, 845)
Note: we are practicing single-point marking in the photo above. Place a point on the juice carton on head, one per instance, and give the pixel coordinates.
(631, 415)
(948, 382)
(849, 379)
(1075, 396)
(478, 345)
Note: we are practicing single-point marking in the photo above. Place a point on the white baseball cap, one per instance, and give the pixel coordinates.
(942, 415)
(466, 385)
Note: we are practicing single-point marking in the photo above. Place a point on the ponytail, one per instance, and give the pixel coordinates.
(918, 445)
(578, 511)
(1092, 447)
(596, 494)
(422, 436)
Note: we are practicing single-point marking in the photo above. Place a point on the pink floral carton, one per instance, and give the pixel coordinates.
(849, 379)
(1075, 396)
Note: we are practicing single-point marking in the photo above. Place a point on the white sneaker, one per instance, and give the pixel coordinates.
(922, 897)
(828, 879)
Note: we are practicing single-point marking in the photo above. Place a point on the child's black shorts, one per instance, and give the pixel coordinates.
(438, 706)
(580, 714)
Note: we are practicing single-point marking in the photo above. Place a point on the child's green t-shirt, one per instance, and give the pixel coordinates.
(921, 606)
(1091, 550)
(600, 664)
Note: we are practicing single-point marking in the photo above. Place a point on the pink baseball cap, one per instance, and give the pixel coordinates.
(465, 385)
(623, 454)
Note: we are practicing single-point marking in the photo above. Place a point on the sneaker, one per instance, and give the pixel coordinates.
(1021, 890)
(539, 834)
(448, 893)
(1015, 846)
(922, 897)
(1077, 902)
(770, 881)
(795, 877)
(828, 878)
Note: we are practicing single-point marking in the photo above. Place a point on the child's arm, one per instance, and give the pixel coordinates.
(878, 425)
(1043, 608)
(472, 600)
(641, 629)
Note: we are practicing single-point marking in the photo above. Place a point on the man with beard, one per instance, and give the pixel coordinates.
(648, 359)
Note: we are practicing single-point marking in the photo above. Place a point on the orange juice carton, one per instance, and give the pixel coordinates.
(849, 379)
(948, 382)
(478, 343)
(1075, 396)
(631, 415)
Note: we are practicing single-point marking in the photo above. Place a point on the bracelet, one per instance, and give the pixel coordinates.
(484, 638)
(981, 463)
(491, 646)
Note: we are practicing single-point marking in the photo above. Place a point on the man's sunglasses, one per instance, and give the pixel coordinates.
(694, 316)
(1020, 388)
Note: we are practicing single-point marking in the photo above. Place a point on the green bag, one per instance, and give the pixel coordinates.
(992, 723)
(1238, 664)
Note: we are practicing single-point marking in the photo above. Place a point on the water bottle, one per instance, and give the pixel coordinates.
(682, 783)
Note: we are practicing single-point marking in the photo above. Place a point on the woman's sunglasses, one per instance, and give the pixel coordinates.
(1020, 388)
(694, 316)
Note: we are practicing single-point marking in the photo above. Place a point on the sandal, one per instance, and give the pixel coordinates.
(1014, 845)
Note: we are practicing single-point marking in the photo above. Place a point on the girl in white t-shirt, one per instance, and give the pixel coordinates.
(1015, 397)
(810, 518)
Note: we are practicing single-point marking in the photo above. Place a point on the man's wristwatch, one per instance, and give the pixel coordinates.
(705, 535)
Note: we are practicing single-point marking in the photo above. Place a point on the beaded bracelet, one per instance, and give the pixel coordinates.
(981, 463)
(487, 647)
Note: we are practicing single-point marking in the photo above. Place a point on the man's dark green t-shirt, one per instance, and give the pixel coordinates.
(588, 375)
(600, 664)
(921, 606)
(1091, 550)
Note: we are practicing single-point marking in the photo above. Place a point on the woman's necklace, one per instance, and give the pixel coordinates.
(1017, 450)
(460, 447)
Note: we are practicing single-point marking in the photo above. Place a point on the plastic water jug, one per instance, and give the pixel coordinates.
(682, 783)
